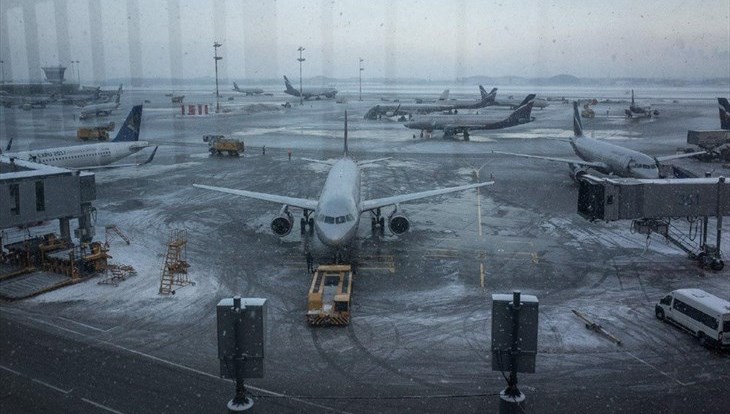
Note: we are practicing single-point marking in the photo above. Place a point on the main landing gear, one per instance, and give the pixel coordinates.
(376, 220)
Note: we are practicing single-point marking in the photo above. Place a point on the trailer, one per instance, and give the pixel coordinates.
(328, 301)
(218, 144)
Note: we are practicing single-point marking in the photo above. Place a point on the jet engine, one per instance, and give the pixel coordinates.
(577, 172)
(398, 223)
(283, 223)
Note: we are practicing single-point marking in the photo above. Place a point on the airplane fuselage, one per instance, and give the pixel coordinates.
(621, 161)
(337, 215)
(82, 156)
(98, 109)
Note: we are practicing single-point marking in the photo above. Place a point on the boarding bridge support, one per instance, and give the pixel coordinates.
(651, 205)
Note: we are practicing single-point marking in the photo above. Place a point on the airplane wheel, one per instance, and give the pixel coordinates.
(302, 225)
(717, 264)
(311, 226)
(373, 224)
(382, 226)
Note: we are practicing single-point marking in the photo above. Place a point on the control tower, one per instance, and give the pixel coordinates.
(54, 74)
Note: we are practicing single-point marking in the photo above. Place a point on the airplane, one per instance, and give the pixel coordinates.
(26, 102)
(606, 158)
(724, 108)
(378, 111)
(94, 156)
(462, 124)
(636, 111)
(247, 91)
(101, 108)
(515, 103)
(442, 98)
(309, 93)
(335, 216)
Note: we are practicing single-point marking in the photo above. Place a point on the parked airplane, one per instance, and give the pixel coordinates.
(379, 111)
(442, 98)
(101, 108)
(309, 93)
(516, 103)
(724, 108)
(94, 156)
(462, 124)
(335, 216)
(247, 91)
(605, 157)
(636, 111)
(26, 102)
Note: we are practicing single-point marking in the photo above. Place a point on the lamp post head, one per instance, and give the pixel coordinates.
(216, 44)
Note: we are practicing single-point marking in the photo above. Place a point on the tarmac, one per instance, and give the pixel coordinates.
(419, 340)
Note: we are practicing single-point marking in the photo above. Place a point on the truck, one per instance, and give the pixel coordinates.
(100, 132)
(218, 144)
(328, 301)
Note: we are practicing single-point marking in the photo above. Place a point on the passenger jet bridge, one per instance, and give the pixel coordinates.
(653, 204)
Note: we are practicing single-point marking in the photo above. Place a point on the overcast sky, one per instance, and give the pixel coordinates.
(428, 39)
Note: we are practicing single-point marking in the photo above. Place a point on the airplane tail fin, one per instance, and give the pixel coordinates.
(632, 98)
(527, 99)
(288, 85)
(345, 133)
(129, 130)
(577, 124)
(444, 96)
(522, 114)
(7, 148)
(235, 86)
(487, 97)
(118, 95)
(724, 109)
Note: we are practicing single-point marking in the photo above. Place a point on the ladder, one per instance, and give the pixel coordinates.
(110, 230)
(175, 268)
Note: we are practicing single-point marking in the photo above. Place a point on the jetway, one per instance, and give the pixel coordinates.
(653, 204)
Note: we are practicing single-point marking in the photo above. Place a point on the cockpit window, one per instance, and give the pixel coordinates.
(350, 218)
(329, 220)
(340, 219)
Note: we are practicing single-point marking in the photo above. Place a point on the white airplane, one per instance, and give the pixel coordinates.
(605, 157)
(309, 93)
(99, 109)
(93, 156)
(335, 216)
(247, 91)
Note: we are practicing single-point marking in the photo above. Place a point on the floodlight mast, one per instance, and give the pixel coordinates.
(362, 69)
(301, 59)
(216, 58)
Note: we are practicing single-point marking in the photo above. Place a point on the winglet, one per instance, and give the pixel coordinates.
(345, 133)
(724, 109)
(577, 124)
(152, 156)
(487, 97)
(129, 130)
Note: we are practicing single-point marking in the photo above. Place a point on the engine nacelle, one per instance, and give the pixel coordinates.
(398, 223)
(282, 224)
(577, 172)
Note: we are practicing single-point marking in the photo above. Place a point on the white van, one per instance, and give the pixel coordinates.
(706, 316)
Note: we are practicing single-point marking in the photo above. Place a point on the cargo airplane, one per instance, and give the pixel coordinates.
(94, 156)
(247, 91)
(335, 216)
(462, 124)
(606, 158)
(309, 93)
(99, 109)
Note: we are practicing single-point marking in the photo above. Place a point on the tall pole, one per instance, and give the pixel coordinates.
(361, 69)
(78, 72)
(216, 58)
(301, 59)
(2, 65)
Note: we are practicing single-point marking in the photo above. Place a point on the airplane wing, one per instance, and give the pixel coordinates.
(563, 160)
(106, 167)
(678, 156)
(366, 162)
(388, 201)
(325, 162)
(302, 203)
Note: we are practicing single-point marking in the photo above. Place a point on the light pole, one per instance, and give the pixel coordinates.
(301, 59)
(216, 45)
(78, 75)
(2, 67)
(361, 69)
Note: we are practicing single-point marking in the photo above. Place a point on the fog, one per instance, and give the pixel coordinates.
(419, 39)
